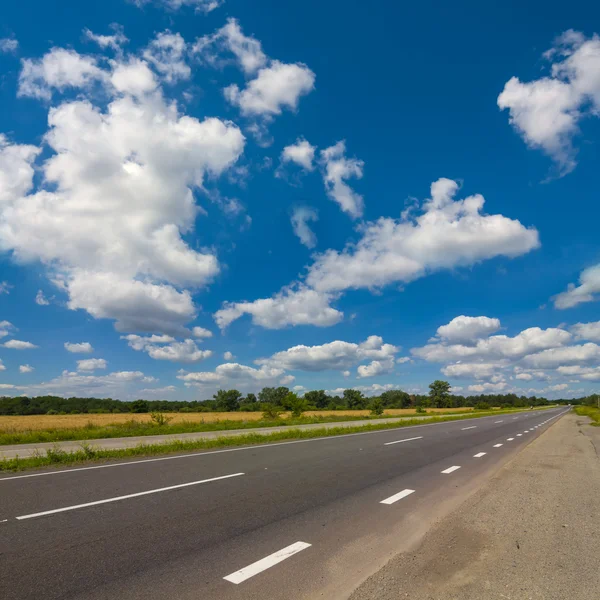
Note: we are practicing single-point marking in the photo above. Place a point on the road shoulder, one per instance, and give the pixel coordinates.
(529, 533)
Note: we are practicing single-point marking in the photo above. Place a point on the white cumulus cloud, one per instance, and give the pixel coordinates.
(91, 364)
(547, 111)
(467, 329)
(301, 152)
(81, 347)
(586, 291)
(19, 345)
(25, 368)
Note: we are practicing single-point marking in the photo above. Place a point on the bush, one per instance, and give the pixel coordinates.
(160, 419)
(482, 406)
(420, 409)
(52, 412)
(270, 411)
(376, 407)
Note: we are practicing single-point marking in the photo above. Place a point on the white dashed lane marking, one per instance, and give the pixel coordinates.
(266, 563)
(397, 497)
(450, 469)
(406, 440)
(479, 454)
(497, 445)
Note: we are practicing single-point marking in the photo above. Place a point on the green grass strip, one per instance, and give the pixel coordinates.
(56, 456)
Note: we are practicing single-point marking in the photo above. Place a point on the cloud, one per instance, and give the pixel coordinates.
(587, 331)
(81, 348)
(448, 234)
(233, 374)
(2, 367)
(301, 215)
(91, 364)
(496, 347)
(116, 194)
(25, 368)
(584, 354)
(166, 52)
(301, 152)
(486, 388)
(546, 112)
(231, 40)
(467, 329)
(275, 88)
(6, 328)
(41, 299)
(9, 45)
(228, 356)
(374, 389)
(480, 371)
(60, 69)
(19, 345)
(166, 348)
(300, 306)
(168, 389)
(589, 284)
(336, 355)
(202, 6)
(200, 332)
(78, 384)
(5, 287)
(336, 170)
(374, 368)
(115, 41)
(587, 373)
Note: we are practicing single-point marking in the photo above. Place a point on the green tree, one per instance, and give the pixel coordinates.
(139, 406)
(355, 400)
(317, 398)
(273, 396)
(439, 392)
(227, 400)
(295, 404)
(395, 399)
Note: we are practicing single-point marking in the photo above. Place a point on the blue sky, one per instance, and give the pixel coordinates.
(201, 194)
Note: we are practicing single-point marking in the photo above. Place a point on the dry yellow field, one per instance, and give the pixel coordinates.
(37, 422)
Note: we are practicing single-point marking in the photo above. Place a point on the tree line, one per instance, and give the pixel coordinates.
(277, 397)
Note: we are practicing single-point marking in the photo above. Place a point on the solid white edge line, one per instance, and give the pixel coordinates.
(479, 454)
(450, 469)
(397, 496)
(497, 445)
(201, 454)
(266, 563)
(472, 427)
(406, 440)
(117, 498)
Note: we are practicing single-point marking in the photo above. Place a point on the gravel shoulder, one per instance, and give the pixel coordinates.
(529, 534)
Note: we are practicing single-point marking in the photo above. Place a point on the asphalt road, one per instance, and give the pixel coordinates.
(306, 519)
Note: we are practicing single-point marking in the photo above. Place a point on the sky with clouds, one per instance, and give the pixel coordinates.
(205, 194)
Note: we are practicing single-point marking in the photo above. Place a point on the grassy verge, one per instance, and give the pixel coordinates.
(134, 428)
(591, 412)
(56, 456)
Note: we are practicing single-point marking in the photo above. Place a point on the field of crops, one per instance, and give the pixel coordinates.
(53, 422)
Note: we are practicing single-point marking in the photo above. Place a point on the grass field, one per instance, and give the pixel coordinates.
(25, 423)
(35, 429)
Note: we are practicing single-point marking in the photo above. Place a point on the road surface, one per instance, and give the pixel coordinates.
(304, 519)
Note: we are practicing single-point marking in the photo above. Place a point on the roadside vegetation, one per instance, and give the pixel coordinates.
(593, 412)
(56, 456)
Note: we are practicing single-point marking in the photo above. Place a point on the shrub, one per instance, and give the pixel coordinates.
(270, 411)
(482, 406)
(51, 412)
(160, 419)
(376, 407)
(420, 409)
